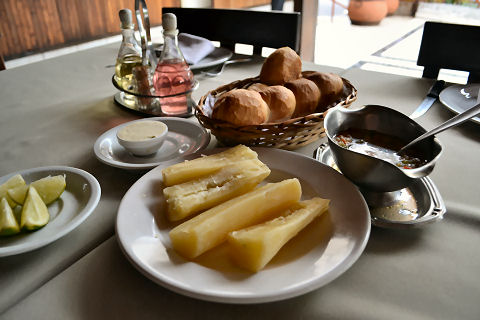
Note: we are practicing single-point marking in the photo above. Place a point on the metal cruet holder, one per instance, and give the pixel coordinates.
(145, 37)
(148, 102)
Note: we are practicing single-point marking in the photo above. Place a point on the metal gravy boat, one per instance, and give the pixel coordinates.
(373, 174)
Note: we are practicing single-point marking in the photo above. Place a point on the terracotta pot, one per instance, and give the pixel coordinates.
(367, 12)
(392, 6)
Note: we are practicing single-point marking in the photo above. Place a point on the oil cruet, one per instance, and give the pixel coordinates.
(129, 54)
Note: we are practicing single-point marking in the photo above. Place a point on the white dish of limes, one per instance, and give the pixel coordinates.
(40, 205)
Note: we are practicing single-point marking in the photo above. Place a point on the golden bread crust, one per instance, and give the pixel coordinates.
(281, 66)
(241, 107)
(281, 102)
(257, 86)
(306, 94)
(330, 85)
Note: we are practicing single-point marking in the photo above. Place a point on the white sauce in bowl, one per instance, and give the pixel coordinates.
(142, 130)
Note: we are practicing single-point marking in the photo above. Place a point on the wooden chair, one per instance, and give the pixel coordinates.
(273, 29)
(450, 46)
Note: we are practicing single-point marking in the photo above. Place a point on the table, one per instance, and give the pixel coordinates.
(54, 110)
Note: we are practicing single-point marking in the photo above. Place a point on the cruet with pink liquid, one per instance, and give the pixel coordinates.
(172, 75)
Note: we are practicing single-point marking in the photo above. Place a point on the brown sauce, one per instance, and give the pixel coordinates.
(378, 145)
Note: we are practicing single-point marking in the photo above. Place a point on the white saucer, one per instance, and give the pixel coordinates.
(76, 203)
(184, 137)
(459, 98)
(316, 257)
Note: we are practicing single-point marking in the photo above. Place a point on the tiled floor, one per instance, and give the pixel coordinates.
(392, 46)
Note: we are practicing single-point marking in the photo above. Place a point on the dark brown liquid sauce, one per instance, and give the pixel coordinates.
(378, 145)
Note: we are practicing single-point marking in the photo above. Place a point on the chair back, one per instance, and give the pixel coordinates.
(450, 46)
(272, 29)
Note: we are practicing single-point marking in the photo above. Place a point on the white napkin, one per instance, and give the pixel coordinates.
(194, 48)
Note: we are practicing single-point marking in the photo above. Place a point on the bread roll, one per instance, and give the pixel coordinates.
(281, 66)
(257, 86)
(281, 102)
(306, 94)
(241, 107)
(330, 85)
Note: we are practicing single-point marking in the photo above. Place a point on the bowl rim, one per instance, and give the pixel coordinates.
(144, 141)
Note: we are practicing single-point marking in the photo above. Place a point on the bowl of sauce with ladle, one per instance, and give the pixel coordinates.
(378, 145)
(365, 142)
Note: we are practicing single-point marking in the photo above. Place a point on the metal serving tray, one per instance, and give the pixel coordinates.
(420, 200)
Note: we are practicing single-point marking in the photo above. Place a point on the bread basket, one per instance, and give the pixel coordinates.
(289, 134)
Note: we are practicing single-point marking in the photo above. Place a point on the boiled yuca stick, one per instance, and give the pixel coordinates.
(189, 170)
(210, 228)
(252, 248)
(196, 195)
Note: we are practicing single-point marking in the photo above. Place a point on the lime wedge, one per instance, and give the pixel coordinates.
(34, 213)
(10, 201)
(49, 189)
(17, 213)
(8, 224)
(18, 194)
(15, 181)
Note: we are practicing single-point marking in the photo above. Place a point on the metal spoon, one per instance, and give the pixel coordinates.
(219, 72)
(453, 122)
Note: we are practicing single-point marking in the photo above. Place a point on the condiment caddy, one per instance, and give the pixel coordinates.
(162, 87)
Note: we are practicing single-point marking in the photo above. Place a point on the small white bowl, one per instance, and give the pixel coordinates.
(142, 137)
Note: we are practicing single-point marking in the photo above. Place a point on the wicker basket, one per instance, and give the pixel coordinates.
(289, 134)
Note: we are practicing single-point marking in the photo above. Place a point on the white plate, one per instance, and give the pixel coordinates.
(459, 98)
(76, 203)
(315, 257)
(217, 56)
(184, 137)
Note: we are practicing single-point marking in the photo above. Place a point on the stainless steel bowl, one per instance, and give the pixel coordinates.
(373, 174)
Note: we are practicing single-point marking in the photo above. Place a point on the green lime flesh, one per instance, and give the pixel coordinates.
(35, 212)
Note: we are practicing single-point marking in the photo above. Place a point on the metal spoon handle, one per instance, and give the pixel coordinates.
(219, 72)
(455, 121)
(230, 62)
